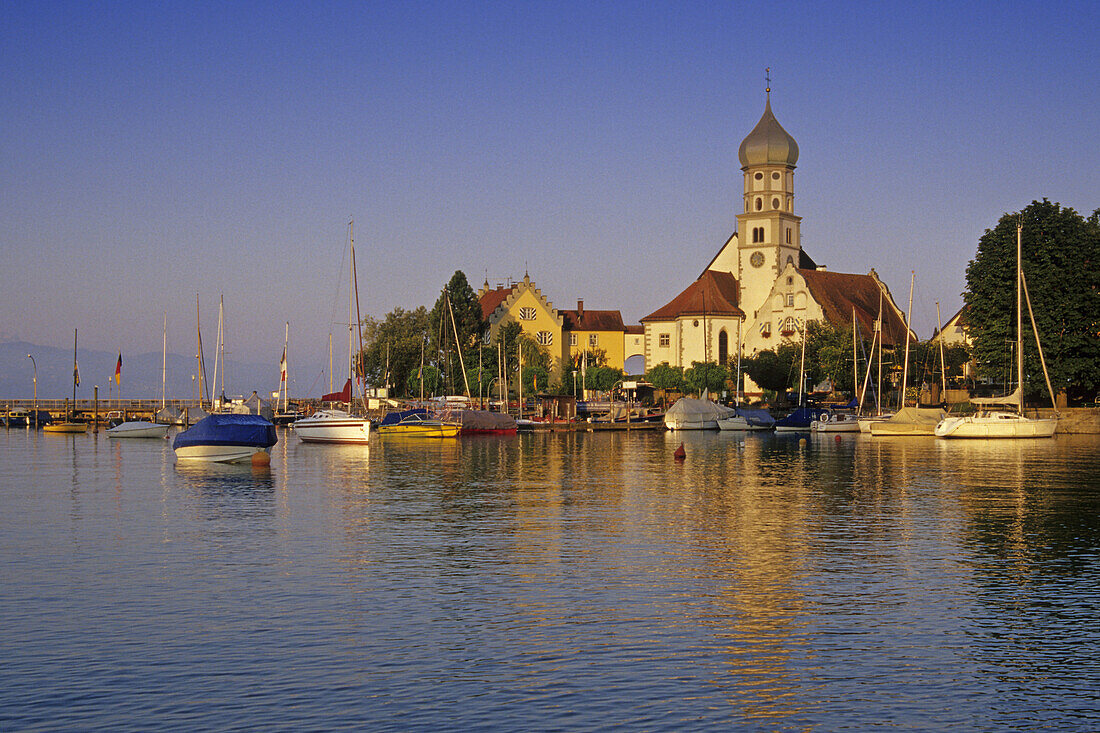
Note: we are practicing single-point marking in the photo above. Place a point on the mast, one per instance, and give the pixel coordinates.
(422, 369)
(164, 361)
(943, 363)
(458, 348)
(202, 362)
(905, 369)
(1019, 319)
(359, 377)
(802, 365)
(351, 303)
(855, 355)
(76, 376)
(283, 387)
(878, 328)
(738, 385)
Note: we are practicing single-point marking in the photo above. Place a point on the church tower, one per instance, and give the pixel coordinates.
(768, 230)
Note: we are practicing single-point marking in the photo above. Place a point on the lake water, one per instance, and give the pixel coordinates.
(552, 582)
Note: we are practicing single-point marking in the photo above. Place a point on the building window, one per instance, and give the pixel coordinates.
(572, 339)
(790, 300)
(545, 338)
(775, 176)
(593, 340)
(790, 280)
(759, 204)
(789, 326)
(723, 346)
(759, 176)
(775, 203)
(527, 313)
(663, 340)
(788, 235)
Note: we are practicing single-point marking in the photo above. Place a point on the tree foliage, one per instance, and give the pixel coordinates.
(706, 375)
(774, 369)
(398, 337)
(1061, 263)
(663, 376)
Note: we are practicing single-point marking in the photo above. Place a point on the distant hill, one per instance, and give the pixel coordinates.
(141, 374)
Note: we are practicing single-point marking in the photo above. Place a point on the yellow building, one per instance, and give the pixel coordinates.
(566, 334)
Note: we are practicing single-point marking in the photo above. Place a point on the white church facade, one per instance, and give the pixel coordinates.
(761, 288)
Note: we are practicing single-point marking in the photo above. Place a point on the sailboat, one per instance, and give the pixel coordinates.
(908, 421)
(1006, 423)
(69, 426)
(332, 425)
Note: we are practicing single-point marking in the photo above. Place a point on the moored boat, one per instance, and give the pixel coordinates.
(416, 424)
(138, 429)
(836, 422)
(799, 420)
(689, 413)
(332, 426)
(226, 438)
(747, 419)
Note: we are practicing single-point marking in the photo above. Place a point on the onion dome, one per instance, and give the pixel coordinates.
(768, 143)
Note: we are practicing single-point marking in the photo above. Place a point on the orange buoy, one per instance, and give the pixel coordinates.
(680, 453)
(261, 459)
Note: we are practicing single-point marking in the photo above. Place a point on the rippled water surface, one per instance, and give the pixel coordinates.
(552, 582)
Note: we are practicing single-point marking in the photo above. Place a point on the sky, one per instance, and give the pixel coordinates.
(159, 155)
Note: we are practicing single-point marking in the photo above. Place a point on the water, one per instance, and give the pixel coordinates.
(552, 582)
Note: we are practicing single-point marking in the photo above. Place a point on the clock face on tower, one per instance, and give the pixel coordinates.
(757, 259)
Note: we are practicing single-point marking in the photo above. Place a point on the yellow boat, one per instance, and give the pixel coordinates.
(419, 425)
(66, 427)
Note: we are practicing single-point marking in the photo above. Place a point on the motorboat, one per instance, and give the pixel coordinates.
(689, 413)
(66, 427)
(227, 438)
(417, 424)
(836, 422)
(747, 419)
(799, 420)
(332, 426)
(138, 429)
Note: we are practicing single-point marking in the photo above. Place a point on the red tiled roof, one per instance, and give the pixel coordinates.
(838, 293)
(592, 320)
(491, 299)
(713, 294)
(636, 330)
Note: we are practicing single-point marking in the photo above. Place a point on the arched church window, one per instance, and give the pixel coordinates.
(723, 346)
(788, 235)
(775, 203)
(759, 204)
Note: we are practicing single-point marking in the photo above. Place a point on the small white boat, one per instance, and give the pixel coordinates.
(332, 426)
(689, 413)
(837, 422)
(747, 419)
(138, 429)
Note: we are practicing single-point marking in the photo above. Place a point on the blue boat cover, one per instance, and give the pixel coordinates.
(802, 417)
(756, 417)
(228, 429)
(393, 418)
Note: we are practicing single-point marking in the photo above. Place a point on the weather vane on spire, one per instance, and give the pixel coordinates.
(768, 79)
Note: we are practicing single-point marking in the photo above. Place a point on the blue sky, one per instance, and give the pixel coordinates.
(154, 152)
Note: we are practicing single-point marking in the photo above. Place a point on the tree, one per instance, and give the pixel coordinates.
(775, 370)
(1061, 263)
(458, 297)
(706, 375)
(663, 376)
(399, 338)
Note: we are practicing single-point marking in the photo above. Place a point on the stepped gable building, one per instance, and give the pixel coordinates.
(564, 333)
(761, 287)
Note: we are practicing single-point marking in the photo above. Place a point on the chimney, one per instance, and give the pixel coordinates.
(580, 309)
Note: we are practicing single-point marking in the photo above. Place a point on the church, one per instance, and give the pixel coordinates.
(761, 288)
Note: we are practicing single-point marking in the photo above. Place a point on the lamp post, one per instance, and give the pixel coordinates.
(33, 364)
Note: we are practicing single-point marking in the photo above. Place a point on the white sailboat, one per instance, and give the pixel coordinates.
(1006, 423)
(332, 425)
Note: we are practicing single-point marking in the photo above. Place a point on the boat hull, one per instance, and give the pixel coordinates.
(420, 431)
(996, 425)
(66, 427)
(739, 424)
(332, 426)
(220, 453)
(138, 430)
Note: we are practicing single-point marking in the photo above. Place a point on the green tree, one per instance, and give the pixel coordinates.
(433, 381)
(663, 376)
(461, 300)
(1061, 252)
(397, 340)
(776, 370)
(706, 375)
